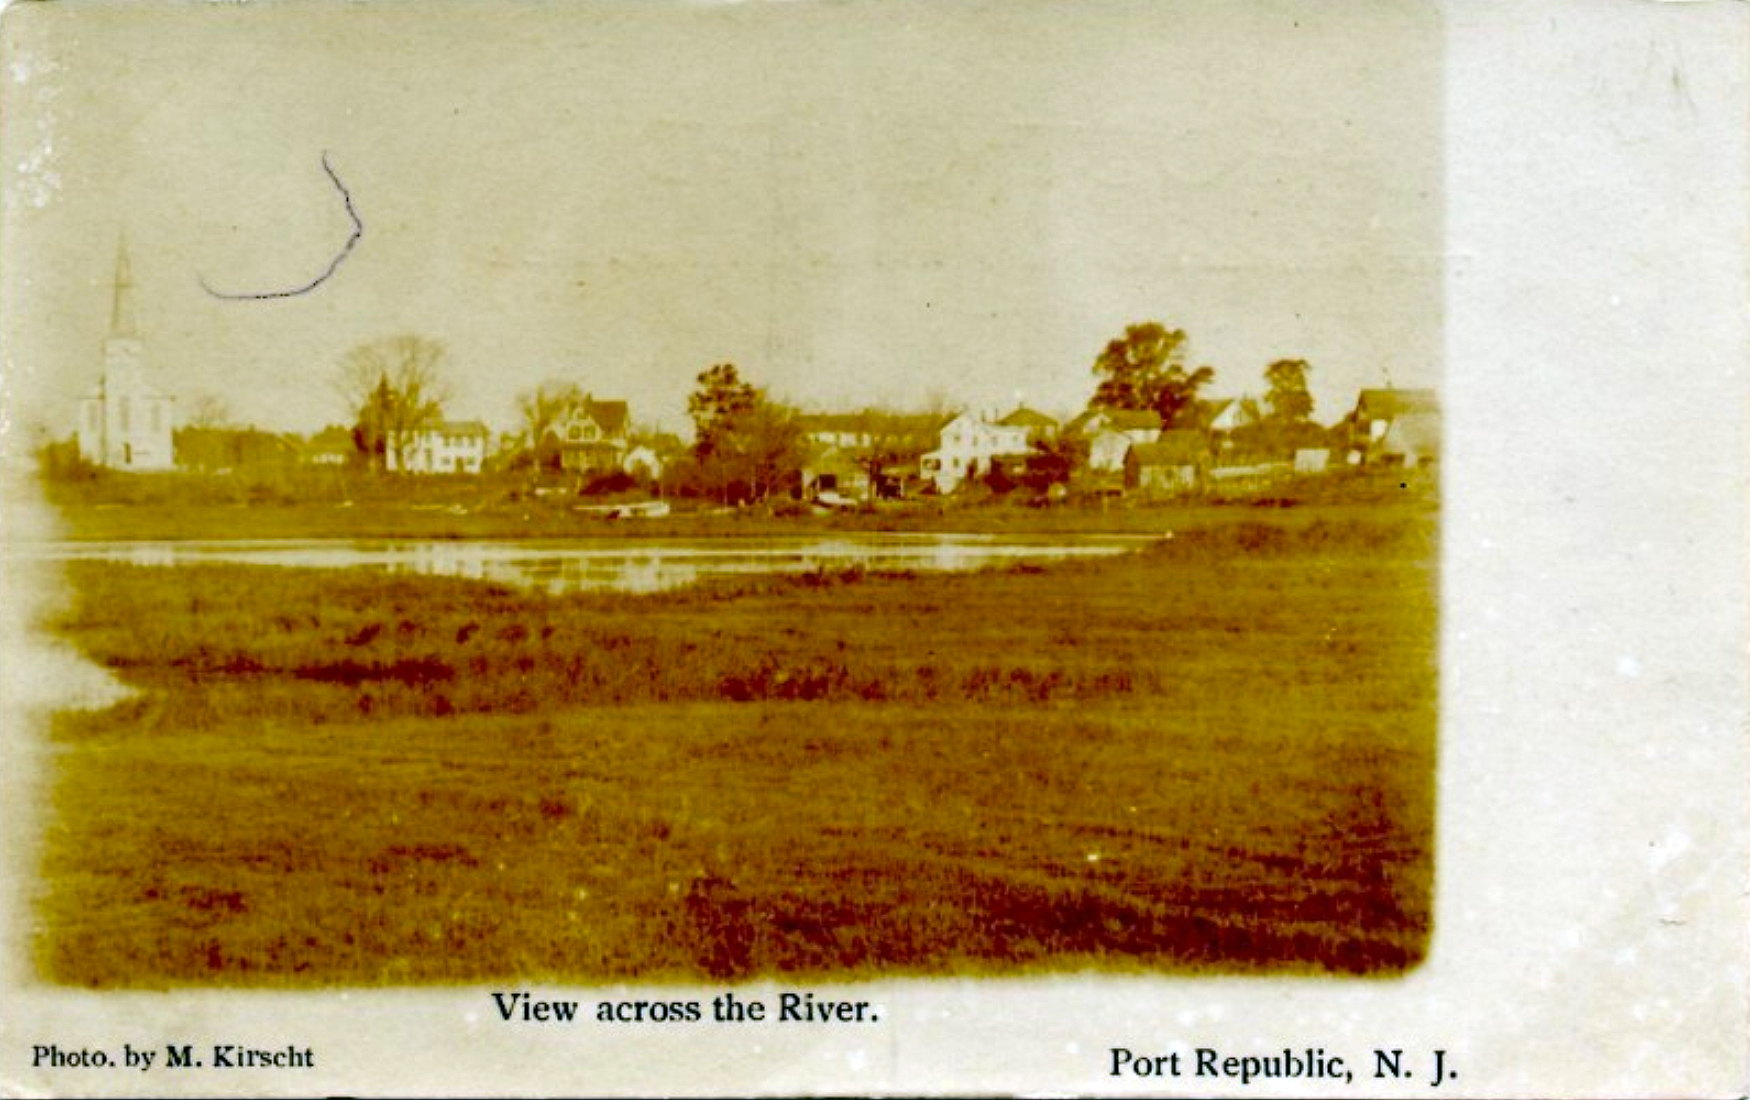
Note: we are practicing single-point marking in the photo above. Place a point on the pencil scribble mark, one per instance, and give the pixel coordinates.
(358, 230)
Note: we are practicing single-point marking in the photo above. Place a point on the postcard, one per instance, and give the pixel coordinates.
(880, 547)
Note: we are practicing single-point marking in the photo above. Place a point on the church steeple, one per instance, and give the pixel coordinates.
(121, 316)
(126, 423)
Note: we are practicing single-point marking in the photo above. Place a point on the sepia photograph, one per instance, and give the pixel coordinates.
(699, 506)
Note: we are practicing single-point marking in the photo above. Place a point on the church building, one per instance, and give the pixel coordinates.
(126, 422)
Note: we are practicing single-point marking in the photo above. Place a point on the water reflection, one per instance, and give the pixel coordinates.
(573, 566)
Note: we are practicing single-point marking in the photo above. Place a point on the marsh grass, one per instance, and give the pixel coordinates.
(1213, 754)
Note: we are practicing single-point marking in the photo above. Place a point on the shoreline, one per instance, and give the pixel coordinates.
(180, 522)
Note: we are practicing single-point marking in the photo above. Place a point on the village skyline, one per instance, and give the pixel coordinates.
(895, 216)
(218, 405)
(1148, 426)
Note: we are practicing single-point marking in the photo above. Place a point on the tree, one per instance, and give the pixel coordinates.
(1177, 399)
(392, 387)
(1145, 369)
(540, 409)
(1130, 368)
(720, 398)
(1053, 461)
(1289, 401)
(1286, 425)
(764, 449)
(744, 447)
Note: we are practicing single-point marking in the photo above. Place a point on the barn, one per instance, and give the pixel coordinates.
(1176, 463)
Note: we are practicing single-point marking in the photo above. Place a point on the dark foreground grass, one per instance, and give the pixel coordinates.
(1216, 754)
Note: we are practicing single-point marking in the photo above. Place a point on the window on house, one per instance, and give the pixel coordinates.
(157, 421)
(122, 411)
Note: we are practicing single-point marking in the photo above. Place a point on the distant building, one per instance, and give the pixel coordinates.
(643, 462)
(1412, 440)
(445, 447)
(126, 423)
(332, 446)
(1395, 427)
(872, 428)
(968, 447)
(1227, 415)
(227, 450)
(1110, 433)
(866, 454)
(1176, 463)
(1128, 421)
(827, 468)
(590, 437)
(1107, 448)
(846, 430)
(1038, 426)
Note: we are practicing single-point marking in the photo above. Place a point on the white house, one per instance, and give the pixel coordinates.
(967, 448)
(445, 447)
(1111, 433)
(1226, 415)
(1413, 439)
(643, 462)
(126, 423)
(1106, 450)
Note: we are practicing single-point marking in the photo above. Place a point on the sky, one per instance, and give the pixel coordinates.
(857, 202)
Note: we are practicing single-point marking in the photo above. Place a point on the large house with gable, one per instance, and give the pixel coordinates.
(590, 436)
(969, 447)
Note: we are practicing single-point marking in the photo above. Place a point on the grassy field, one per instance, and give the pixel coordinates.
(1213, 755)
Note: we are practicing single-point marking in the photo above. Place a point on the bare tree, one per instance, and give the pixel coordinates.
(938, 402)
(208, 411)
(541, 409)
(888, 439)
(761, 450)
(392, 387)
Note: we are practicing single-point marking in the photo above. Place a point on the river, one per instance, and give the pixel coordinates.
(573, 565)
